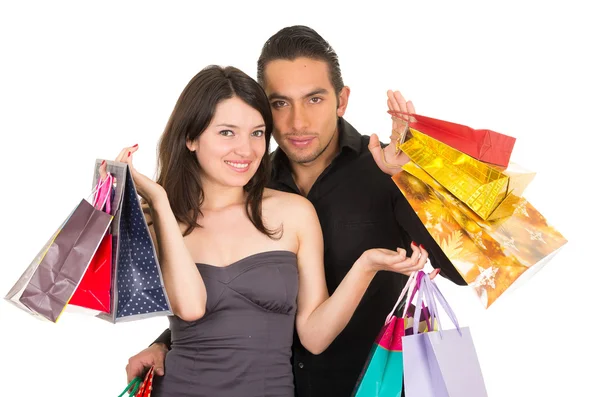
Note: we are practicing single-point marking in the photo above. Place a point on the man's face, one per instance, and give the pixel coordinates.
(305, 107)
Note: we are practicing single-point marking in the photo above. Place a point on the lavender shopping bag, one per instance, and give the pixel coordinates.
(440, 363)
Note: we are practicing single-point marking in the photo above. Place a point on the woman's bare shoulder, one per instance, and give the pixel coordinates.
(292, 209)
(286, 201)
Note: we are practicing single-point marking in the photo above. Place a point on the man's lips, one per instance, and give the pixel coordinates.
(301, 141)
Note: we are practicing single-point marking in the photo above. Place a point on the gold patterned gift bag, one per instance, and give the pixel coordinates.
(488, 190)
(490, 255)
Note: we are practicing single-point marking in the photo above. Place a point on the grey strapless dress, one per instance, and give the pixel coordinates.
(242, 345)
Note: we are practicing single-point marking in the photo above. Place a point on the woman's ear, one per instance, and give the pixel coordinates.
(191, 145)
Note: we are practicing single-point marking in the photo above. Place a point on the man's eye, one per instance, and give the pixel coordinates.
(278, 104)
(226, 132)
(315, 100)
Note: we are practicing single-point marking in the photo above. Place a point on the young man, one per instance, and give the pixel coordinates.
(322, 157)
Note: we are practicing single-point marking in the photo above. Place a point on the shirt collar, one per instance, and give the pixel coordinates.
(349, 136)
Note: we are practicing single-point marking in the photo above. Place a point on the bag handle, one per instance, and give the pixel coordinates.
(430, 291)
(436, 293)
(103, 192)
(132, 387)
(401, 115)
(415, 288)
(411, 278)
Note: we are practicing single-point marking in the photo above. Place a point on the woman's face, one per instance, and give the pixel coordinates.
(232, 146)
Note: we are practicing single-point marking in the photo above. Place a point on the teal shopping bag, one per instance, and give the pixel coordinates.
(382, 376)
(382, 373)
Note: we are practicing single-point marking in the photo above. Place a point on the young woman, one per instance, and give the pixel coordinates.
(242, 264)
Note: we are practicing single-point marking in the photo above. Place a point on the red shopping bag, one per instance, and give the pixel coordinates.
(484, 145)
(138, 387)
(145, 389)
(93, 292)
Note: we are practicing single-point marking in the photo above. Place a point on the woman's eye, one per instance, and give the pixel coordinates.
(226, 133)
(258, 133)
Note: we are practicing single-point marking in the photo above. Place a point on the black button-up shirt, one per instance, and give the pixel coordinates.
(359, 208)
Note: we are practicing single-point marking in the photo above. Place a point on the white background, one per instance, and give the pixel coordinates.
(81, 80)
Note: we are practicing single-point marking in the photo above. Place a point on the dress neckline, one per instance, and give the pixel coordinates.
(286, 252)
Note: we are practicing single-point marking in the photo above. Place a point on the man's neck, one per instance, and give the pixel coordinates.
(306, 174)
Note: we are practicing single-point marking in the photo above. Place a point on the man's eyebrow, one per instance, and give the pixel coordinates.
(277, 95)
(318, 91)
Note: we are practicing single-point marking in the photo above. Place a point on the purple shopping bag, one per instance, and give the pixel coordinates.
(440, 363)
(46, 286)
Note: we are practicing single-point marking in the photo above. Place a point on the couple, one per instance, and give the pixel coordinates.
(280, 275)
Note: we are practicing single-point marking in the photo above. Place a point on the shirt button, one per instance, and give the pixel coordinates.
(301, 365)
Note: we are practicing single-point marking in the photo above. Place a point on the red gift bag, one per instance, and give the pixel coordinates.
(145, 389)
(484, 145)
(138, 387)
(93, 292)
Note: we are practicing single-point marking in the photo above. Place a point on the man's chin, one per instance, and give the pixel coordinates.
(300, 155)
(302, 158)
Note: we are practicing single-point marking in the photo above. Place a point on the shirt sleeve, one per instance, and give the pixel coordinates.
(408, 219)
(165, 338)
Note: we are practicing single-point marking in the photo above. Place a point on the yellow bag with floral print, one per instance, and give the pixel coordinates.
(490, 255)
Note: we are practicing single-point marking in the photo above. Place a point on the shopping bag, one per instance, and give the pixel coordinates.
(441, 363)
(93, 291)
(382, 373)
(491, 256)
(48, 283)
(14, 294)
(487, 190)
(426, 323)
(384, 364)
(145, 389)
(138, 289)
(138, 387)
(481, 144)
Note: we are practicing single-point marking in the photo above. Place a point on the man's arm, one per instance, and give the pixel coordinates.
(152, 356)
(164, 338)
(408, 220)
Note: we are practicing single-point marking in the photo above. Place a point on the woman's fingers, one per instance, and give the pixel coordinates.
(126, 153)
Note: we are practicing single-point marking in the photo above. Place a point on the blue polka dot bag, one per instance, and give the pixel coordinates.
(138, 290)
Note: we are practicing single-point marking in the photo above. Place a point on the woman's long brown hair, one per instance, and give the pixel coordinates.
(178, 168)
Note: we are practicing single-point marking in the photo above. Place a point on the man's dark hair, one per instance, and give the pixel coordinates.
(299, 41)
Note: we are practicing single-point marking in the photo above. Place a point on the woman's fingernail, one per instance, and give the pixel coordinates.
(103, 161)
(136, 145)
(421, 245)
(413, 243)
(128, 154)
